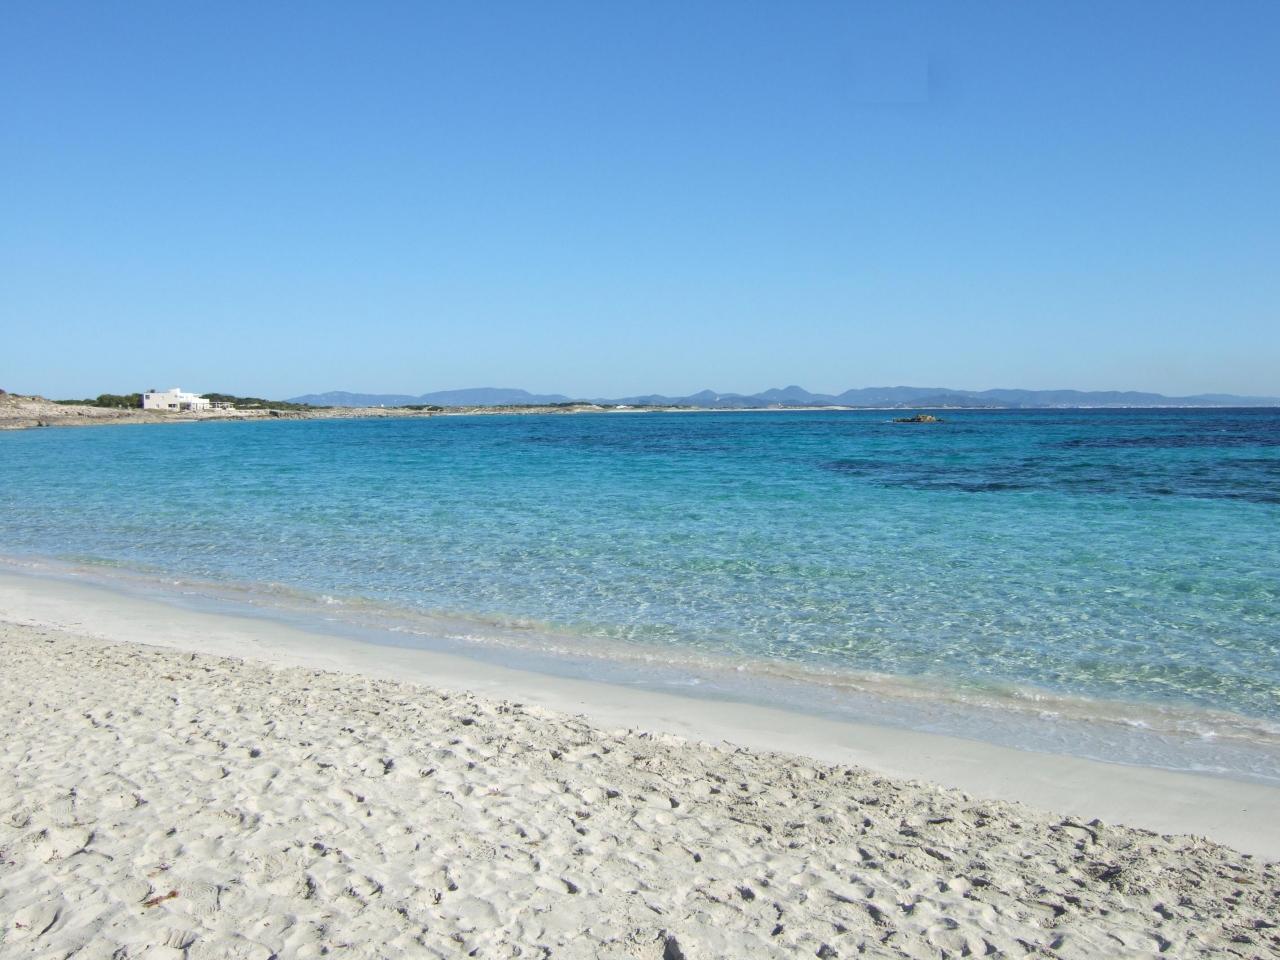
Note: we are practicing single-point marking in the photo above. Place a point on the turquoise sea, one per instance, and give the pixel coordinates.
(1099, 582)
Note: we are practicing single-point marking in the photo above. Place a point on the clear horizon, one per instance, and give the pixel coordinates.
(605, 201)
(751, 392)
(615, 395)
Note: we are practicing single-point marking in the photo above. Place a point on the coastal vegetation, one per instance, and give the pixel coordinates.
(133, 401)
(114, 401)
(257, 403)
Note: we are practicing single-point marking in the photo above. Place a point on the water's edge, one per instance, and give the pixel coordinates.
(1182, 738)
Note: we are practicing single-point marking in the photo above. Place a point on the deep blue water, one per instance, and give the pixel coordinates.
(1130, 557)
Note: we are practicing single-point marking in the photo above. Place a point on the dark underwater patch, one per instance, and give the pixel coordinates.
(1254, 480)
(1170, 442)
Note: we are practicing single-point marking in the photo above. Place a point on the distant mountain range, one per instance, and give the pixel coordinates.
(905, 397)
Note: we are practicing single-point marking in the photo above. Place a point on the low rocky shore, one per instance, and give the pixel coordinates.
(25, 412)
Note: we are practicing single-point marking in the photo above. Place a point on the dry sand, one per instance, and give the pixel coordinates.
(164, 803)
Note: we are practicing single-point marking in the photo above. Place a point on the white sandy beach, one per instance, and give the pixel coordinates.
(234, 787)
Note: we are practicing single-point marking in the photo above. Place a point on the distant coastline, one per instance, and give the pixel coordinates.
(794, 397)
(19, 412)
(29, 412)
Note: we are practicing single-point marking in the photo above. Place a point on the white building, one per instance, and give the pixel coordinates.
(175, 399)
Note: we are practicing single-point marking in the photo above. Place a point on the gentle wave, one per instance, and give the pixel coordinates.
(1173, 736)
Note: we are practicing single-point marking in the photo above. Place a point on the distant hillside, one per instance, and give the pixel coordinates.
(794, 396)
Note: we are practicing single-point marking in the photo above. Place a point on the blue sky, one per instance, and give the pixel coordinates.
(607, 198)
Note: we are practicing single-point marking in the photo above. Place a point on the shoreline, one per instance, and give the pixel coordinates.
(18, 412)
(1174, 737)
(269, 798)
(1234, 812)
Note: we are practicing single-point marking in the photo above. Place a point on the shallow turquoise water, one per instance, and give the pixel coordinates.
(1130, 557)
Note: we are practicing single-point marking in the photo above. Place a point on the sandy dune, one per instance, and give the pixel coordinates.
(165, 804)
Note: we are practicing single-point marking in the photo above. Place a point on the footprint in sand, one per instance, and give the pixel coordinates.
(132, 890)
(57, 843)
(228, 948)
(33, 922)
(198, 899)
